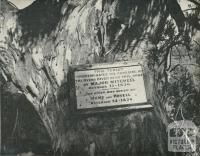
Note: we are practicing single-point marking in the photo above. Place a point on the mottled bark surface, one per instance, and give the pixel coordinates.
(94, 31)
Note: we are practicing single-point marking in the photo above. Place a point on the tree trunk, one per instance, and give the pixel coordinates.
(94, 31)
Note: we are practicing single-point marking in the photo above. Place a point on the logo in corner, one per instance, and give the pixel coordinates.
(182, 136)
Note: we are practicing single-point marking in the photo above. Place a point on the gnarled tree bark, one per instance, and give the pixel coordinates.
(94, 31)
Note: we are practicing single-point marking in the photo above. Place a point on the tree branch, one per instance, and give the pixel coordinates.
(195, 2)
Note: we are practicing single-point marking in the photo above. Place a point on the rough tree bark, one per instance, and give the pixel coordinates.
(93, 31)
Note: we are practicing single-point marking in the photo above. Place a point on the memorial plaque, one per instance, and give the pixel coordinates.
(110, 85)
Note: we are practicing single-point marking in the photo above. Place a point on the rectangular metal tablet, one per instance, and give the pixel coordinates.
(110, 85)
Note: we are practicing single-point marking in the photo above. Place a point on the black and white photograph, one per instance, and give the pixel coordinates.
(100, 77)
